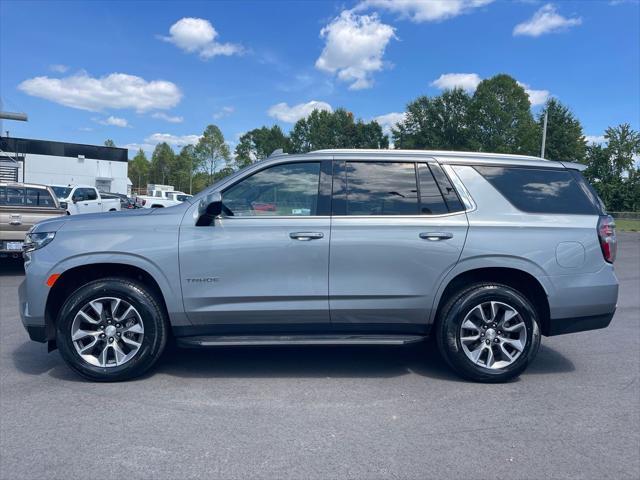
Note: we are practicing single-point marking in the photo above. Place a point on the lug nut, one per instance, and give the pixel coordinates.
(119, 334)
(487, 341)
(110, 339)
(117, 325)
(102, 335)
(484, 327)
(494, 325)
(482, 334)
(497, 341)
(109, 322)
(101, 327)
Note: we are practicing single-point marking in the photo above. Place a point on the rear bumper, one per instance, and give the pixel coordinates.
(560, 326)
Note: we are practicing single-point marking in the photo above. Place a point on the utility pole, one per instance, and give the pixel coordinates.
(544, 134)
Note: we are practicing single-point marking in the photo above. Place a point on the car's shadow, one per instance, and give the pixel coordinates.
(289, 362)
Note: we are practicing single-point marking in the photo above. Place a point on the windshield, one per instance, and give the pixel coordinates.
(61, 192)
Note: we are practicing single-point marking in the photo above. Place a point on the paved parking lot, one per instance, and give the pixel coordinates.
(328, 412)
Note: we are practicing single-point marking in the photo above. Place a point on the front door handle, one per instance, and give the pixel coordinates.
(435, 236)
(306, 236)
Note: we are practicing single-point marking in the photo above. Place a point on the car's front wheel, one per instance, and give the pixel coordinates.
(488, 332)
(111, 329)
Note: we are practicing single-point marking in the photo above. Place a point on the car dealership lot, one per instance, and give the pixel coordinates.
(330, 412)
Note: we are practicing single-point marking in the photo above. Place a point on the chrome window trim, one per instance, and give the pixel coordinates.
(463, 193)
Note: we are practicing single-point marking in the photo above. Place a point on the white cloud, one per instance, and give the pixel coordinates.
(595, 139)
(390, 120)
(197, 35)
(115, 122)
(536, 97)
(545, 20)
(134, 147)
(449, 81)
(175, 140)
(425, 10)
(223, 112)
(117, 90)
(167, 118)
(58, 68)
(354, 48)
(285, 113)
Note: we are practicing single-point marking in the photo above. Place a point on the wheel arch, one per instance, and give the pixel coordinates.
(521, 280)
(76, 276)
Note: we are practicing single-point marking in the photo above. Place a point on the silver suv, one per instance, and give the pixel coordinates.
(485, 252)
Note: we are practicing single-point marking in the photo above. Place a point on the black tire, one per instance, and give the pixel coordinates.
(452, 316)
(152, 315)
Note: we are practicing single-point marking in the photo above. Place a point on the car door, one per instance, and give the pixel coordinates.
(93, 201)
(265, 260)
(395, 233)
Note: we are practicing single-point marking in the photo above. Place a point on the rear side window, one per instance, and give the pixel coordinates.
(537, 190)
(381, 188)
(39, 197)
(431, 201)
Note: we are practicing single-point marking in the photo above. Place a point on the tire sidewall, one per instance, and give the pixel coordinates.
(153, 339)
(451, 345)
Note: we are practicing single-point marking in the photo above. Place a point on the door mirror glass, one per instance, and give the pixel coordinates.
(64, 205)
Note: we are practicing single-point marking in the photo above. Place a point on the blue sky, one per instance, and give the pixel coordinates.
(142, 72)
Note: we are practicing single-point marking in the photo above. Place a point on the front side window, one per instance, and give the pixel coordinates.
(538, 190)
(61, 192)
(381, 188)
(289, 189)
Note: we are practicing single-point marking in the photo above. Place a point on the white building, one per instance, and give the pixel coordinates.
(61, 163)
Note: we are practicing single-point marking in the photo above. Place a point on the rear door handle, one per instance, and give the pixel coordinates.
(306, 236)
(435, 236)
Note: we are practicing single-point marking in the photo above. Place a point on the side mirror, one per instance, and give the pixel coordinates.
(64, 205)
(209, 208)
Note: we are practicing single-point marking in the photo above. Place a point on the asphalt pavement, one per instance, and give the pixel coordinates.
(328, 412)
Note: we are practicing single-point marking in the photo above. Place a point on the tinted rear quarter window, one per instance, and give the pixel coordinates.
(39, 197)
(538, 190)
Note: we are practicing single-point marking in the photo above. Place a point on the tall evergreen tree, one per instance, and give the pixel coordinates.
(161, 162)
(565, 139)
(139, 170)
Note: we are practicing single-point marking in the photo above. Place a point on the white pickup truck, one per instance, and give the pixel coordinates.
(84, 199)
(163, 198)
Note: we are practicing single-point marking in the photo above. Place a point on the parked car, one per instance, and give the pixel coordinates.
(84, 199)
(486, 252)
(22, 205)
(163, 198)
(126, 202)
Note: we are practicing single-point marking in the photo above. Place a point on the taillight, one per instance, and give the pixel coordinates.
(607, 236)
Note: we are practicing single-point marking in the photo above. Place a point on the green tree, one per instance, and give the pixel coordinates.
(109, 143)
(259, 143)
(565, 139)
(212, 151)
(439, 123)
(501, 117)
(162, 160)
(183, 168)
(338, 129)
(612, 170)
(139, 170)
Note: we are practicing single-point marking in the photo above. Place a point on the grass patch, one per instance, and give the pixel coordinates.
(627, 225)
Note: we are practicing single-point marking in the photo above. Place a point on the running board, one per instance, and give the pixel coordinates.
(265, 340)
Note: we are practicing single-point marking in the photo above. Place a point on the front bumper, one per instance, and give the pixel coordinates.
(35, 325)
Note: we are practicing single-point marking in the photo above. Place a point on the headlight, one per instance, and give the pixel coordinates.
(34, 241)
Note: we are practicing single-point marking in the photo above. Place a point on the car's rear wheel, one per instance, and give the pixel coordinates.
(488, 332)
(111, 329)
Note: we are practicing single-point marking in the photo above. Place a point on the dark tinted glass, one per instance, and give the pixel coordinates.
(288, 189)
(381, 188)
(90, 194)
(431, 201)
(15, 196)
(540, 190)
(39, 197)
(62, 192)
(448, 192)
